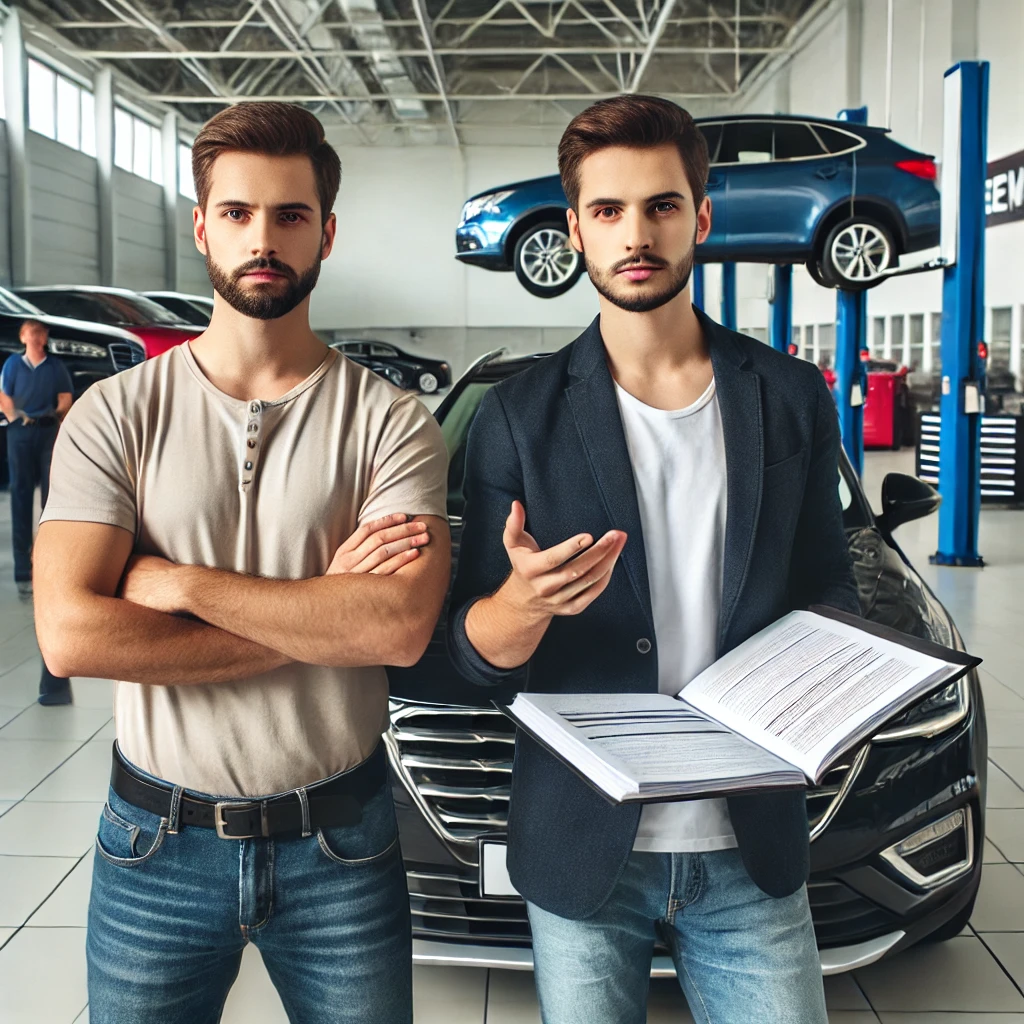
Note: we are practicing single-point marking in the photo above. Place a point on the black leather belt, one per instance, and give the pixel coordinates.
(331, 804)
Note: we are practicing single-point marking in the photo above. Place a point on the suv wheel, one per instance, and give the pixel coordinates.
(545, 263)
(857, 251)
(427, 383)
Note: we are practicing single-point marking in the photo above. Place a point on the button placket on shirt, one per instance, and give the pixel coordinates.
(251, 444)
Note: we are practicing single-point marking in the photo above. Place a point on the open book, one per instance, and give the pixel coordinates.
(778, 710)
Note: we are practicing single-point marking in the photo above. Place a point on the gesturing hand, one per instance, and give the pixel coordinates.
(380, 547)
(561, 580)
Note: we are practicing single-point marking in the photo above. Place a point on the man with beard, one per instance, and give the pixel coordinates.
(637, 505)
(238, 532)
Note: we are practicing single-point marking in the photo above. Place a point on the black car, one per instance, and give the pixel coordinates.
(897, 828)
(411, 373)
(193, 309)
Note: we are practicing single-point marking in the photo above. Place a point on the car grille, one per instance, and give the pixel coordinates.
(459, 760)
(841, 916)
(449, 906)
(125, 354)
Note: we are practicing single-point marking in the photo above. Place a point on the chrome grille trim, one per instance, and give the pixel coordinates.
(125, 354)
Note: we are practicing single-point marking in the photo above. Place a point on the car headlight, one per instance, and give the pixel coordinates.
(85, 349)
(936, 714)
(490, 203)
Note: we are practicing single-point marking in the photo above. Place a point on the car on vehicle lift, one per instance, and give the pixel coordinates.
(406, 371)
(897, 826)
(157, 328)
(845, 199)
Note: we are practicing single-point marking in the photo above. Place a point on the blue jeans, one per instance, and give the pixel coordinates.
(29, 451)
(170, 915)
(741, 956)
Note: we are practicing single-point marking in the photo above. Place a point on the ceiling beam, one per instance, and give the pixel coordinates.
(426, 97)
(652, 44)
(435, 66)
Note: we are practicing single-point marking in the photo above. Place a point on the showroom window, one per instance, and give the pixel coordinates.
(186, 186)
(798, 340)
(897, 339)
(916, 341)
(1002, 337)
(138, 146)
(826, 345)
(61, 109)
(936, 342)
(878, 335)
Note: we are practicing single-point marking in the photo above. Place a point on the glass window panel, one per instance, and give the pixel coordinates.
(795, 141)
(999, 347)
(142, 150)
(713, 135)
(156, 159)
(897, 338)
(123, 139)
(185, 184)
(878, 335)
(69, 113)
(3, 108)
(826, 345)
(837, 141)
(88, 123)
(41, 99)
(916, 341)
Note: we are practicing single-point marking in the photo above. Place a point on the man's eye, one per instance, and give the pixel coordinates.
(291, 218)
(236, 214)
(665, 207)
(607, 212)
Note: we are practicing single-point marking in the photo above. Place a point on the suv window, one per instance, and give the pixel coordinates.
(794, 141)
(759, 142)
(382, 350)
(77, 307)
(713, 135)
(835, 140)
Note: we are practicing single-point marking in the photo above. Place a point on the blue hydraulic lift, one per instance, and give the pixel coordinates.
(963, 314)
(729, 296)
(697, 286)
(780, 327)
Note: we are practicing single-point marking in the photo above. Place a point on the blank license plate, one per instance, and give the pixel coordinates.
(494, 880)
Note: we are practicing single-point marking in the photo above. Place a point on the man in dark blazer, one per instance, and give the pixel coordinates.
(637, 505)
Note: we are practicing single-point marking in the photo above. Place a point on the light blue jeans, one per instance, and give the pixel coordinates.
(170, 915)
(741, 956)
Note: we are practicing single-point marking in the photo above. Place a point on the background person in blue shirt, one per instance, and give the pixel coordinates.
(35, 394)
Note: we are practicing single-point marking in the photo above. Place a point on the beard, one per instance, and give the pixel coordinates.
(606, 281)
(262, 301)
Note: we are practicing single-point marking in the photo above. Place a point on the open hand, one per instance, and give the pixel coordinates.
(561, 580)
(381, 547)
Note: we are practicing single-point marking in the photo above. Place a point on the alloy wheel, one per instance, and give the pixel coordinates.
(547, 259)
(861, 252)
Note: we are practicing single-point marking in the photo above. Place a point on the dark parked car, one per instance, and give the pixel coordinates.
(409, 372)
(89, 351)
(194, 309)
(897, 827)
(845, 199)
(158, 329)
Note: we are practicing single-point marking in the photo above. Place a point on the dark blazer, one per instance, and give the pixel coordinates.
(552, 437)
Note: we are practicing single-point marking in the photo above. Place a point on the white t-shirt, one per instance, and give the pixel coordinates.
(678, 461)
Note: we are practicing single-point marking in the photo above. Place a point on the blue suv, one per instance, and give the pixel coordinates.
(845, 199)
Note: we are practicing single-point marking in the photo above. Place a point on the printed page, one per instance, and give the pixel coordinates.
(808, 687)
(649, 745)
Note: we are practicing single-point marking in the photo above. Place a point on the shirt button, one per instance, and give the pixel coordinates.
(251, 444)
(255, 408)
(254, 428)
(643, 645)
(248, 465)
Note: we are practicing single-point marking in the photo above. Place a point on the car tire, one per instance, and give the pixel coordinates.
(954, 926)
(427, 383)
(856, 253)
(545, 264)
(817, 274)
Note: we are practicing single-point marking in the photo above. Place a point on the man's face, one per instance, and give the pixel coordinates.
(637, 225)
(261, 232)
(33, 335)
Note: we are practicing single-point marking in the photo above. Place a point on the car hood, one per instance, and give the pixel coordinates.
(544, 182)
(56, 324)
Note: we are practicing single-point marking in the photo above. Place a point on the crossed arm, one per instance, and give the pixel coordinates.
(100, 612)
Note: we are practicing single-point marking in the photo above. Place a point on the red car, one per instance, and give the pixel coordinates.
(157, 328)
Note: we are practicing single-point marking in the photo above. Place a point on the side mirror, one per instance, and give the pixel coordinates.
(905, 498)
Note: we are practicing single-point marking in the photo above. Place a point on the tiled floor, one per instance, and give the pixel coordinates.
(54, 764)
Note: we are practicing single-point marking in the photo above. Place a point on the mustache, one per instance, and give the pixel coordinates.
(265, 263)
(647, 259)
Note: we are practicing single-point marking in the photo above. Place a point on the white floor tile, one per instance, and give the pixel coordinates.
(851, 1017)
(6, 805)
(5, 934)
(1006, 729)
(25, 763)
(1010, 761)
(8, 714)
(1001, 791)
(107, 733)
(449, 995)
(42, 976)
(843, 993)
(512, 998)
(952, 1018)
(1006, 830)
(83, 1018)
(991, 854)
(26, 882)
(68, 905)
(1008, 949)
(1000, 906)
(253, 998)
(49, 829)
(83, 777)
(959, 975)
(93, 693)
(67, 722)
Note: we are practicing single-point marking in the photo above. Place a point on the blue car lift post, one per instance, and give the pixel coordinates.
(697, 286)
(729, 296)
(851, 340)
(963, 317)
(780, 327)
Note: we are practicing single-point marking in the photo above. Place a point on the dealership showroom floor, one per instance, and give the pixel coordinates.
(55, 762)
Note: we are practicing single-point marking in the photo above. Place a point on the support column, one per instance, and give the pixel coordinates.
(729, 296)
(697, 286)
(16, 103)
(103, 92)
(854, 51)
(1016, 340)
(964, 30)
(169, 151)
(780, 327)
(963, 313)
(851, 379)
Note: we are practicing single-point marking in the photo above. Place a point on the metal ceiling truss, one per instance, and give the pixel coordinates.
(416, 65)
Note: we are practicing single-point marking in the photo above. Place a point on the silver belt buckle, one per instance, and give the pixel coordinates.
(235, 805)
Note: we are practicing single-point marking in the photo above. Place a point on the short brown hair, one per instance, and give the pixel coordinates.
(642, 122)
(273, 129)
(32, 322)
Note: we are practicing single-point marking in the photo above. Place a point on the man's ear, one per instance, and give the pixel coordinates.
(199, 228)
(704, 219)
(575, 238)
(330, 233)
